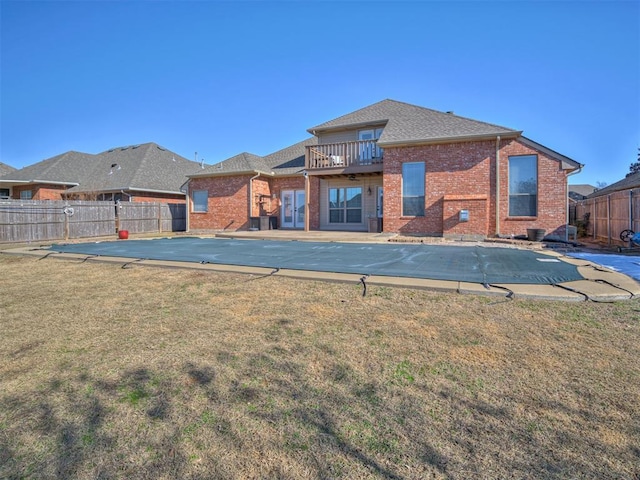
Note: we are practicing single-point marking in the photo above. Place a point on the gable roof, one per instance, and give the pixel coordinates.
(288, 161)
(244, 162)
(66, 169)
(145, 167)
(410, 124)
(632, 181)
(4, 169)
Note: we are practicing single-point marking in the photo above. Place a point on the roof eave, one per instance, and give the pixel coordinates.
(566, 162)
(47, 182)
(349, 126)
(454, 139)
(231, 173)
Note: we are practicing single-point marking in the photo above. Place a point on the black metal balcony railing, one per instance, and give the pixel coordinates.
(342, 155)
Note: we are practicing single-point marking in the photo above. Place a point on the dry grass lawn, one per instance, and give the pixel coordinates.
(156, 373)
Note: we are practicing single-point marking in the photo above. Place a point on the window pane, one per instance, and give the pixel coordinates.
(354, 197)
(354, 215)
(25, 195)
(523, 185)
(336, 216)
(413, 189)
(336, 198)
(200, 200)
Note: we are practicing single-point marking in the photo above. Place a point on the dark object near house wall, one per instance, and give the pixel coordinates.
(535, 234)
(268, 222)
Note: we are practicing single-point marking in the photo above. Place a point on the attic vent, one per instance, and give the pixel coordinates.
(160, 148)
(134, 146)
(111, 149)
(124, 148)
(450, 112)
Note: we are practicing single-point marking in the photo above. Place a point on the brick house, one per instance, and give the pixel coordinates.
(139, 173)
(392, 167)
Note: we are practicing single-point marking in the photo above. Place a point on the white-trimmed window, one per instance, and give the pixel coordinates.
(413, 189)
(200, 201)
(26, 194)
(523, 186)
(345, 205)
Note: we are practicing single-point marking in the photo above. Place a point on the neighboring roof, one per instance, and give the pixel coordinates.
(288, 161)
(580, 192)
(627, 183)
(410, 124)
(67, 169)
(582, 189)
(4, 169)
(145, 167)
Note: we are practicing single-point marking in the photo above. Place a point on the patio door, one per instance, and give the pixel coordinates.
(292, 214)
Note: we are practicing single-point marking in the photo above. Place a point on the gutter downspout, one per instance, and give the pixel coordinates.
(187, 206)
(251, 195)
(566, 191)
(498, 186)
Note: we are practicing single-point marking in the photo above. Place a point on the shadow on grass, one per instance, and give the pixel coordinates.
(264, 417)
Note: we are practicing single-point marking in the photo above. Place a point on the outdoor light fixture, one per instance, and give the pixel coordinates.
(369, 190)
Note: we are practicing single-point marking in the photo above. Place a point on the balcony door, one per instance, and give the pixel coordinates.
(368, 148)
(292, 214)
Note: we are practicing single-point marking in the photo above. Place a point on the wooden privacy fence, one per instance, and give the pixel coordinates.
(608, 215)
(38, 220)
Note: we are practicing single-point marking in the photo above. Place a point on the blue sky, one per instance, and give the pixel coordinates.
(220, 78)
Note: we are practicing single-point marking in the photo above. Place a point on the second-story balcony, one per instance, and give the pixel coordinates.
(357, 156)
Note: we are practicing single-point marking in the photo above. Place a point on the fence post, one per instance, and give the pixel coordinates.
(66, 225)
(609, 219)
(159, 217)
(593, 222)
(631, 209)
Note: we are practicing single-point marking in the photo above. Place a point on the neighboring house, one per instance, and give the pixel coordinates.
(4, 170)
(628, 183)
(394, 167)
(144, 173)
(580, 192)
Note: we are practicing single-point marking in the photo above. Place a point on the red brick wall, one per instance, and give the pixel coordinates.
(552, 194)
(468, 169)
(40, 192)
(478, 208)
(228, 203)
(155, 197)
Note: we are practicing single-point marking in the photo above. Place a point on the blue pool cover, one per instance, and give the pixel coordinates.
(475, 264)
(627, 264)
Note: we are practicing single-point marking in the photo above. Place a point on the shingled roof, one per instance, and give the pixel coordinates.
(146, 167)
(627, 183)
(5, 169)
(409, 124)
(67, 169)
(288, 161)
